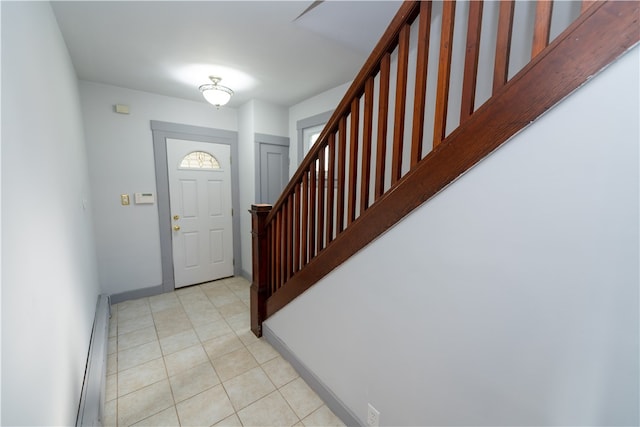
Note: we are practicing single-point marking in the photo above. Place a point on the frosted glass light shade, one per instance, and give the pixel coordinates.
(216, 94)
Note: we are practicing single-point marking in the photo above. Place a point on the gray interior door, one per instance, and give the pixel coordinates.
(274, 171)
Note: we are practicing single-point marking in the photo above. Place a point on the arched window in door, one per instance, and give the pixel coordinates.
(199, 160)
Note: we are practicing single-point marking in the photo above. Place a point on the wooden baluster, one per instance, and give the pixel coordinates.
(330, 185)
(305, 219)
(272, 253)
(400, 104)
(313, 186)
(366, 145)
(383, 111)
(503, 44)
(259, 291)
(289, 253)
(542, 26)
(444, 71)
(353, 160)
(278, 251)
(296, 229)
(471, 60)
(321, 182)
(342, 154)
(420, 94)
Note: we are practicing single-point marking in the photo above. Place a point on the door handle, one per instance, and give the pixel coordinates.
(176, 227)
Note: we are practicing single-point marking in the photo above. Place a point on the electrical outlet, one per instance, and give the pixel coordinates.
(373, 417)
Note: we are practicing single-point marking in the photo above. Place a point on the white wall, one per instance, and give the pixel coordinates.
(254, 117)
(120, 149)
(49, 278)
(318, 104)
(511, 297)
(246, 154)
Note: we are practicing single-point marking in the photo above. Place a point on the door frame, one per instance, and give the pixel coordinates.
(161, 131)
(261, 139)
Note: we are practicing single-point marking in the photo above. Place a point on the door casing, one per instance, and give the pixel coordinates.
(161, 131)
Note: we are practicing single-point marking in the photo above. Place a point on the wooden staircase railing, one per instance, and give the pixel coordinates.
(394, 141)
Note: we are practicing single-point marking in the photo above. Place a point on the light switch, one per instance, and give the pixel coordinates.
(124, 199)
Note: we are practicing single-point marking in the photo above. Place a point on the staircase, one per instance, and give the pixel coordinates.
(421, 112)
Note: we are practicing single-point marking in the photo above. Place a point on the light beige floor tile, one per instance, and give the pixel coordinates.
(179, 341)
(163, 302)
(248, 387)
(234, 363)
(221, 296)
(141, 376)
(239, 286)
(113, 323)
(202, 312)
(262, 351)
(169, 315)
(229, 310)
(212, 330)
(193, 381)
(136, 338)
(279, 371)
(132, 304)
(300, 397)
(112, 345)
(247, 337)
(166, 418)
(137, 355)
(190, 295)
(112, 364)
(110, 414)
(171, 321)
(271, 410)
(143, 403)
(185, 359)
(239, 280)
(133, 324)
(212, 285)
(111, 388)
(231, 421)
(206, 408)
(240, 322)
(322, 417)
(132, 309)
(222, 345)
(172, 328)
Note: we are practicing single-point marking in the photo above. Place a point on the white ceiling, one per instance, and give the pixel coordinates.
(262, 49)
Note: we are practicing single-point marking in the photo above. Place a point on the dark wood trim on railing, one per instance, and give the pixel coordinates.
(503, 44)
(259, 291)
(444, 72)
(600, 35)
(325, 214)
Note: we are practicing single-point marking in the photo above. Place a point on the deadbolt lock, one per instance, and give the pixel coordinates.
(176, 217)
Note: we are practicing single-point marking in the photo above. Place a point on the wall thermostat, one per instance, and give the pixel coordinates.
(144, 198)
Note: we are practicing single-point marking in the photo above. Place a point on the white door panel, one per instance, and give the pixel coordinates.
(200, 201)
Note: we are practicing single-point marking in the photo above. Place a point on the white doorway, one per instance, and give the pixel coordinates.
(201, 211)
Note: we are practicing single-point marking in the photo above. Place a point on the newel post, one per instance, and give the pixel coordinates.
(259, 284)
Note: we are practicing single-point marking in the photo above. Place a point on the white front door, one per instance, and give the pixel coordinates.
(200, 202)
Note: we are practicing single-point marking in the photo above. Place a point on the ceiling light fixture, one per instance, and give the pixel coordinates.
(216, 94)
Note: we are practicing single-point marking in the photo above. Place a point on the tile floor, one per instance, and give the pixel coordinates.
(188, 358)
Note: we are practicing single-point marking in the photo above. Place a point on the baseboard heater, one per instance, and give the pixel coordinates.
(91, 409)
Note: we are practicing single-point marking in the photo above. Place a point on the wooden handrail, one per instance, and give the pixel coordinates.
(333, 206)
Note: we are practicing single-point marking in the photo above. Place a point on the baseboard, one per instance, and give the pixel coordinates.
(92, 398)
(136, 293)
(329, 398)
